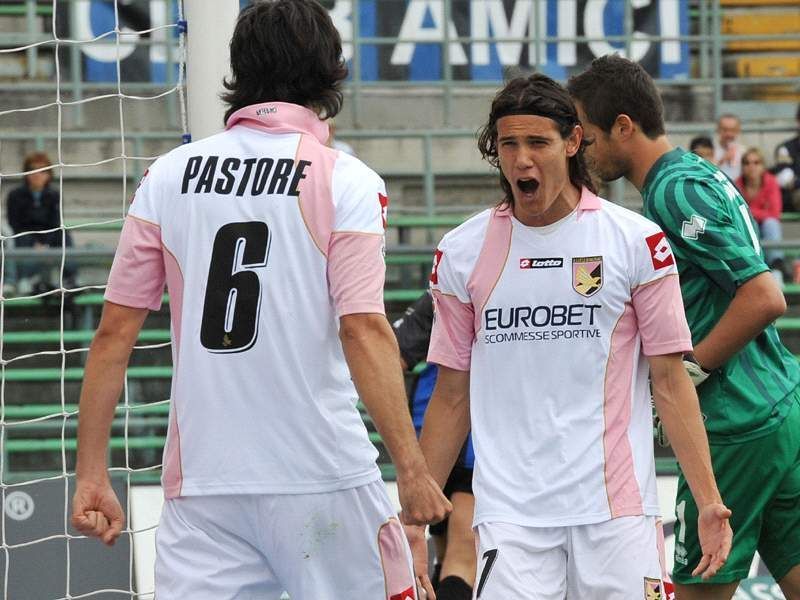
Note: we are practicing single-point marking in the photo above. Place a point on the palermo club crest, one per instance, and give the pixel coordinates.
(587, 274)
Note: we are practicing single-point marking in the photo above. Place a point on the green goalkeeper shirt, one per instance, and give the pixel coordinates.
(716, 245)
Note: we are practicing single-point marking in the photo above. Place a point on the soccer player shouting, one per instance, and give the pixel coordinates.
(747, 380)
(271, 245)
(550, 308)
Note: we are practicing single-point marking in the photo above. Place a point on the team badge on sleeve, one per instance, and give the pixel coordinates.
(437, 258)
(384, 200)
(660, 252)
(587, 274)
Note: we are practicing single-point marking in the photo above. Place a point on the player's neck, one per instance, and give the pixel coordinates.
(646, 153)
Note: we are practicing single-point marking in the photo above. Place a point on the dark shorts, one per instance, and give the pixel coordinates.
(460, 480)
(760, 482)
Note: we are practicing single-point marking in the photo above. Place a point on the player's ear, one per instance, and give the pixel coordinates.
(573, 141)
(623, 127)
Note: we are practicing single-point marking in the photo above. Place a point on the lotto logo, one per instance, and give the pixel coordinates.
(437, 257)
(660, 252)
(404, 595)
(384, 200)
(541, 263)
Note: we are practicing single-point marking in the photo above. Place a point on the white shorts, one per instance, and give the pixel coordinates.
(343, 544)
(620, 559)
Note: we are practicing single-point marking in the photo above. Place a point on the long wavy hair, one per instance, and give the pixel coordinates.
(286, 51)
(534, 95)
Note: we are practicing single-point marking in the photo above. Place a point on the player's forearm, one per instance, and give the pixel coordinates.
(371, 352)
(677, 405)
(447, 423)
(756, 304)
(102, 384)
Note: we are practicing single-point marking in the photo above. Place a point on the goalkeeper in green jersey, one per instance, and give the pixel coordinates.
(747, 381)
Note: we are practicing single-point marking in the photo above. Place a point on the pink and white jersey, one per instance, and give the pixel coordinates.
(264, 237)
(554, 324)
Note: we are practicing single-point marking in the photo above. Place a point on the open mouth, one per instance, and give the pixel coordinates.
(528, 186)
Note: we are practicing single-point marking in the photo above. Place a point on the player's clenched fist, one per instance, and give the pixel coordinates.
(421, 500)
(96, 512)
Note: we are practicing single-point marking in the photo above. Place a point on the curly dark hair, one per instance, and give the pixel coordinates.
(286, 51)
(538, 95)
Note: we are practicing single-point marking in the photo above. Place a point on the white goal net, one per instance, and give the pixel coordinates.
(92, 91)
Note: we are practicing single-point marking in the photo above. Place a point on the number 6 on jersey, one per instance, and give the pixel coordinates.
(233, 291)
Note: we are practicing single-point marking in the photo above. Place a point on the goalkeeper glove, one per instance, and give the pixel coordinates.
(696, 373)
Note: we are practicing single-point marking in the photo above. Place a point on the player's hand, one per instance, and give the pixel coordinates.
(421, 499)
(419, 552)
(96, 511)
(716, 536)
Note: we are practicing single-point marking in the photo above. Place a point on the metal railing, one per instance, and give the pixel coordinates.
(702, 40)
(427, 171)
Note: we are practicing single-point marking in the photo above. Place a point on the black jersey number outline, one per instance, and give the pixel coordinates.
(233, 290)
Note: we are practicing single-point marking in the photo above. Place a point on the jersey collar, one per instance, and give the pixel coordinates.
(280, 117)
(588, 201)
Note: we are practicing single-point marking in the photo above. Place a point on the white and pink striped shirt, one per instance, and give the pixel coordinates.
(554, 324)
(264, 236)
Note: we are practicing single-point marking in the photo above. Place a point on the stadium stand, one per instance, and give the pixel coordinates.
(768, 46)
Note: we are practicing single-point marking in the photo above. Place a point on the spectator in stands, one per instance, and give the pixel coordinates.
(454, 572)
(703, 147)
(34, 210)
(787, 169)
(760, 189)
(728, 151)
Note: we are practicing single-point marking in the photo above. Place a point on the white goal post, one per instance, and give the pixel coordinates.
(209, 29)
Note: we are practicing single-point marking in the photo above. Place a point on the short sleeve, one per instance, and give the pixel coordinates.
(362, 202)
(356, 265)
(652, 257)
(144, 203)
(709, 225)
(453, 331)
(137, 276)
(660, 315)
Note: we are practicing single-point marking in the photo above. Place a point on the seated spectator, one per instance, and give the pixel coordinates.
(703, 147)
(787, 169)
(33, 209)
(763, 196)
(728, 150)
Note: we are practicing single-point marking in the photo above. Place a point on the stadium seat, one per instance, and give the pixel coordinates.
(766, 66)
(765, 23)
(729, 3)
